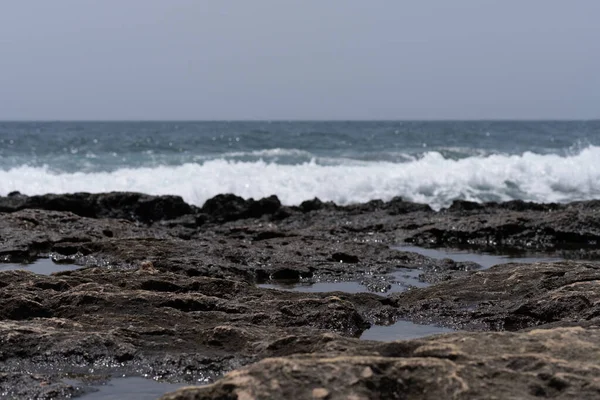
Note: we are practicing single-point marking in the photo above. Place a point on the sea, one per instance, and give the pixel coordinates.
(432, 162)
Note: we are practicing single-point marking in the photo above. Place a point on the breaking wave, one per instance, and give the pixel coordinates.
(431, 179)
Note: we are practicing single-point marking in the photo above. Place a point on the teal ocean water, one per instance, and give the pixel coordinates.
(346, 162)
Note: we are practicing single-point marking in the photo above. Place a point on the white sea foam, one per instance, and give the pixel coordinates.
(430, 179)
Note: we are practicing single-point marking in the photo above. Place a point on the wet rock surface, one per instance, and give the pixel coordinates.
(169, 291)
(162, 326)
(572, 230)
(559, 363)
(510, 297)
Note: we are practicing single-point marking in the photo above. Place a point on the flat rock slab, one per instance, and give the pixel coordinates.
(96, 322)
(560, 363)
(510, 297)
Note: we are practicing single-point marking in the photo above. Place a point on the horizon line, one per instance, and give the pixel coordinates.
(312, 120)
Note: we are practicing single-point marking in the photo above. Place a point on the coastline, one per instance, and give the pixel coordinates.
(169, 291)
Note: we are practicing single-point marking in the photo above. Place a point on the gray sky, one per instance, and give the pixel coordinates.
(299, 59)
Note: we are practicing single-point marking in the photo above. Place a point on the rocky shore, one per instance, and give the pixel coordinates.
(174, 292)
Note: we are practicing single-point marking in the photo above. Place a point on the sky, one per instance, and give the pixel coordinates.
(299, 59)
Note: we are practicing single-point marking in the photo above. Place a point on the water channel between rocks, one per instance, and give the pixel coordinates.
(483, 259)
(134, 388)
(404, 279)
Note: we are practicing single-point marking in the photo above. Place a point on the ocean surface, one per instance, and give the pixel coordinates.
(345, 162)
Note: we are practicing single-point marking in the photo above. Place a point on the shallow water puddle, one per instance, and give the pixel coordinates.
(346, 287)
(43, 266)
(483, 259)
(403, 279)
(134, 388)
(406, 278)
(402, 330)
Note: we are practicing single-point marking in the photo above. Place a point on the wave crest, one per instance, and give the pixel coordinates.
(430, 179)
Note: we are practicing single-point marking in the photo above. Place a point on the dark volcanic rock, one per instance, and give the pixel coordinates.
(315, 205)
(463, 205)
(515, 225)
(272, 257)
(344, 258)
(35, 386)
(28, 233)
(130, 206)
(397, 206)
(510, 297)
(229, 207)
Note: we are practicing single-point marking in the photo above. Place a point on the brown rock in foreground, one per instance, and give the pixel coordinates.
(560, 363)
